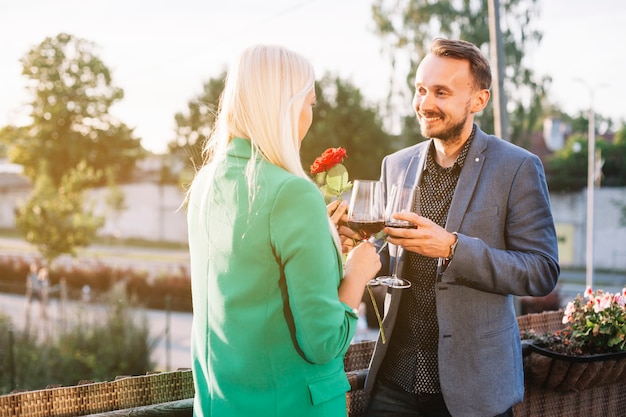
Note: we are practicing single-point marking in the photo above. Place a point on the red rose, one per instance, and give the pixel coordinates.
(330, 158)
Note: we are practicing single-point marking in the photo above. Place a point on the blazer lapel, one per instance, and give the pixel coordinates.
(468, 180)
(415, 167)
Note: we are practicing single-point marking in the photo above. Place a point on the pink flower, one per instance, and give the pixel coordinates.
(569, 310)
(602, 302)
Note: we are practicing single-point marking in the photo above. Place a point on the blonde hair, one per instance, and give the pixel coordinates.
(263, 96)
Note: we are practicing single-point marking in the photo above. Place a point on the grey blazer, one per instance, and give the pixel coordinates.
(507, 246)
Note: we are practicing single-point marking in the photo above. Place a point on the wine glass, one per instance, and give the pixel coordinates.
(366, 214)
(402, 198)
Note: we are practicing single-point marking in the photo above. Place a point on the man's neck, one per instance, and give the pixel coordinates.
(447, 151)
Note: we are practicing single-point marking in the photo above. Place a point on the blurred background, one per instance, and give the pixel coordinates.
(105, 106)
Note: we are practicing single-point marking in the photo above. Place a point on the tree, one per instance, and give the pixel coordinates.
(407, 28)
(193, 128)
(566, 169)
(340, 118)
(71, 141)
(72, 92)
(614, 168)
(56, 219)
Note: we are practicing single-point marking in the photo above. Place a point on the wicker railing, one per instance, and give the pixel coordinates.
(92, 398)
(171, 393)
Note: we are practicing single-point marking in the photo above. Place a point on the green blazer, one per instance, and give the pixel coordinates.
(269, 332)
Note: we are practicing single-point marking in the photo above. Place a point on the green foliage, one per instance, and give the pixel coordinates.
(595, 324)
(330, 174)
(614, 155)
(70, 142)
(566, 169)
(193, 128)
(407, 27)
(98, 348)
(342, 118)
(56, 219)
(72, 92)
(108, 346)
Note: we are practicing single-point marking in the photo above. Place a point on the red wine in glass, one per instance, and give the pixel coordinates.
(366, 214)
(397, 224)
(366, 228)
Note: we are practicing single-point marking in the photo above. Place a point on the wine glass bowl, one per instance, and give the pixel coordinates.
(366, 214)
(402, 198)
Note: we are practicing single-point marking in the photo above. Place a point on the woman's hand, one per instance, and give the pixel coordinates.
(338, 213)
(362, 264)
(337, 210)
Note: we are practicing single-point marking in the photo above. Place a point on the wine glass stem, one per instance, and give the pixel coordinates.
(396, 261)
(381, 247)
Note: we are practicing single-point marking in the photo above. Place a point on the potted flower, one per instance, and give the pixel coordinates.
(590, 348)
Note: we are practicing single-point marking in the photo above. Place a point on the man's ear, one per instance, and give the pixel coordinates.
(480, 100)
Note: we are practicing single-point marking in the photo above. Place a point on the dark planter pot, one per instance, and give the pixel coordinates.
(559, 372)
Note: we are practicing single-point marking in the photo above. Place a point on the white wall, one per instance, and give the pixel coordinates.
(153, 214)
(609, 238)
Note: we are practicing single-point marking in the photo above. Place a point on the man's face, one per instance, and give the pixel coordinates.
(443, 101)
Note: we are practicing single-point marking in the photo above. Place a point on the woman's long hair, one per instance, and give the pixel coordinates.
(263, 95)
(261, 101)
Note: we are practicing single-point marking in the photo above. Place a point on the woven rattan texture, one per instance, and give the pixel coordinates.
(81, 400)
(542, 322)
(603, 401)
(358, 357)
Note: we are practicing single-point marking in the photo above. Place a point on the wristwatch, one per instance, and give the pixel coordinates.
(453, 247)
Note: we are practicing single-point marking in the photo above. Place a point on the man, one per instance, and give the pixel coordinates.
(485, 234)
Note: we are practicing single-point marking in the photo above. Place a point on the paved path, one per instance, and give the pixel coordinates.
(172, 350)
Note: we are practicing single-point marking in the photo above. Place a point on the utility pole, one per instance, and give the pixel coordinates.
(591, 185)
(591, 173)
(501, 123)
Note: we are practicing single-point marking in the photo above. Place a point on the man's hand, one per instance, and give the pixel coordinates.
(428, 239)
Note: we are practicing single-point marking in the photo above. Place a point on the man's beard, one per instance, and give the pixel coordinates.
(447, 133)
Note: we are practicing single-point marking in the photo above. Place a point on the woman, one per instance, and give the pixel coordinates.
(273, 315)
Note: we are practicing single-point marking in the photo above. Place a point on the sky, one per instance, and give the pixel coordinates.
(161, 52)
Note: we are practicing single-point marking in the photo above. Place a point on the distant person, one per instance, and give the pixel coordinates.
(31, 283)
(44, 285)
(86, 293)
(37, 288)
(485, 233)
(273, 314)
